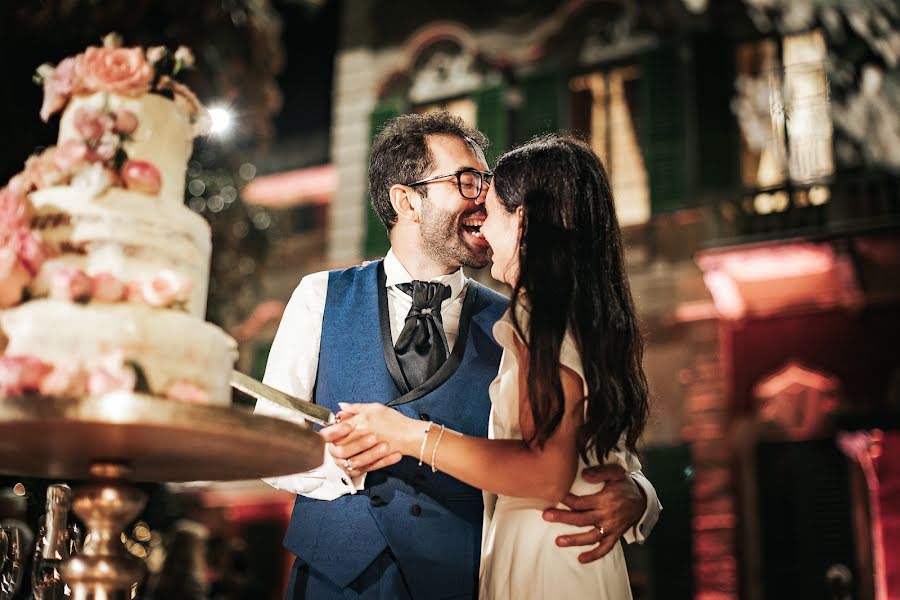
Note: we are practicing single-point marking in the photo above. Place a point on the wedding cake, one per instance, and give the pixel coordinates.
(103, 270)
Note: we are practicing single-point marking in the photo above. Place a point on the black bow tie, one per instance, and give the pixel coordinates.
(422, 346)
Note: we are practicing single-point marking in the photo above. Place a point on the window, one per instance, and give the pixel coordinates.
(605, 106)
(783, 109)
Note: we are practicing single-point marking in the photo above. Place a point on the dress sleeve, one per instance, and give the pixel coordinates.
(571, 358)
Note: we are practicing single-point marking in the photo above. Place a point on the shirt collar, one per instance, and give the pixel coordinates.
(395, 273)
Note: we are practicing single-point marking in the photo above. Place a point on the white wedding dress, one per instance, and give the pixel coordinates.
(519, 556)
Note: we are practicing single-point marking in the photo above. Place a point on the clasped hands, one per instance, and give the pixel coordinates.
(373, 436)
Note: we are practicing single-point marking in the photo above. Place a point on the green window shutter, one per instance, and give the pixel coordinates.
(718, 138)
(664, 135)
(376, 242)
(493, 121)
(540, 112)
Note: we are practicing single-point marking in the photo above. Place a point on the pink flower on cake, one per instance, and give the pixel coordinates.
(156, 53)
(184, 57)
(59, 85)
(21, 374)
(19, 184)
(14, 277)
(106, 148)
(118, 70)
(186, 391)
(15, 209)
(166, 288)
(31, 249)
(141, 176)
(70, 155)
(113, 375)
(70, 284)
(41, 170)
(91, 123)
(125, 121)
(108, 288)
(67, 379)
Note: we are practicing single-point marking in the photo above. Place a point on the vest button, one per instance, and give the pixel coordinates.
(425, 417)
(415, 510)
(377, 501)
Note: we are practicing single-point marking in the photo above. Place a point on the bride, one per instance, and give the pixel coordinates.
(571, 391)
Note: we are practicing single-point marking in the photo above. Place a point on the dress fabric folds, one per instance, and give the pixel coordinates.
(519, 557)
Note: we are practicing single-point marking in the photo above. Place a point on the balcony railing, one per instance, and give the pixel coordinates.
(849, 204)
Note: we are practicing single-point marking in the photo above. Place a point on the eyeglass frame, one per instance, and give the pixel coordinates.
(486, 176)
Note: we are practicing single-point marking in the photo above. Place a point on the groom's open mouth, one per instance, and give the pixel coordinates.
(472, 226)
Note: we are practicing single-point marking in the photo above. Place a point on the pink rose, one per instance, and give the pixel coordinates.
(113, 375)
(108, 288)
(118, 70)
(59, 85)
(19, 184)
(70, 155)
(166, 288)
(125, 122)
(14, 277)
(91, 123)
(141, 176)
(42, 171)
(21, 374)
(31, 249)
(67, 379)
(186, 391)
(71, 284)
(15, 210)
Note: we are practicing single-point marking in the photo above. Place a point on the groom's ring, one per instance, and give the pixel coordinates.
(349, 468)
(602, 531)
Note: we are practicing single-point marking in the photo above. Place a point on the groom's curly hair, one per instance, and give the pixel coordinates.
(400, 154)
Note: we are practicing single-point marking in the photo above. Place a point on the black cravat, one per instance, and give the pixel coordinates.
(422, 346)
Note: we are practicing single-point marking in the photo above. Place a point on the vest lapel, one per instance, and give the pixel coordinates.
(450, 365)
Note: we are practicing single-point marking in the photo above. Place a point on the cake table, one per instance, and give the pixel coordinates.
(118, 438)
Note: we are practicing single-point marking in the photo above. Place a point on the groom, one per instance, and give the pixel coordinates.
(413, 332)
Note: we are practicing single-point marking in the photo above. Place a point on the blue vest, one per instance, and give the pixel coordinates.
(430, 522)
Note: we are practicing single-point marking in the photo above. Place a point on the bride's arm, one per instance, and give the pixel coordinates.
(508, 467)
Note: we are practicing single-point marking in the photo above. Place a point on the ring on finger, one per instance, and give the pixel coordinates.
(602, 530)
(350, 467)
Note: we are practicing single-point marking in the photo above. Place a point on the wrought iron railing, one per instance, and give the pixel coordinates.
(851, 203)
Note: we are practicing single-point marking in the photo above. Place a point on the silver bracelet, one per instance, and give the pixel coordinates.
(424, 441)
(434, 450)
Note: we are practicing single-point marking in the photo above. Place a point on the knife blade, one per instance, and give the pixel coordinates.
(257, 389)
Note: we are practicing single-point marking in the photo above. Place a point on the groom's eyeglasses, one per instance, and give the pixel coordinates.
(469, 181)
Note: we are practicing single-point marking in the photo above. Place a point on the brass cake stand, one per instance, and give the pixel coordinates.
(118, 438)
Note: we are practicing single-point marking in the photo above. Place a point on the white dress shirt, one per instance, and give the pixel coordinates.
(294, 361)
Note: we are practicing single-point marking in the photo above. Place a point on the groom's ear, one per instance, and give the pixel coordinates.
(406, 202)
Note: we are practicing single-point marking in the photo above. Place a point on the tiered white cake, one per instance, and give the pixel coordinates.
(103, 269)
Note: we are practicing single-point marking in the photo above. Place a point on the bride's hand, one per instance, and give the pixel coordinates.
(386, 424)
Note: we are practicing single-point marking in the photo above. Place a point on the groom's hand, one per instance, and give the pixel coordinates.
(609, 513)
(356, 454)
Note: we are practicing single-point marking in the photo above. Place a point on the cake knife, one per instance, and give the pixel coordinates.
(256, 389)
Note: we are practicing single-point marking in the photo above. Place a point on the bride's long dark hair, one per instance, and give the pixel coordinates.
(572, 273)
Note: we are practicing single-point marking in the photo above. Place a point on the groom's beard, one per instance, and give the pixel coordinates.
(443, 237)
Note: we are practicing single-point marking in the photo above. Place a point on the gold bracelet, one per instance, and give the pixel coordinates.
(424, 441)
(434, 450)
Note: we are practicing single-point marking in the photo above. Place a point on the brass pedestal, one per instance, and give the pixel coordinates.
(118, 438)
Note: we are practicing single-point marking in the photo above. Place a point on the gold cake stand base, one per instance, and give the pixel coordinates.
(118, 438)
